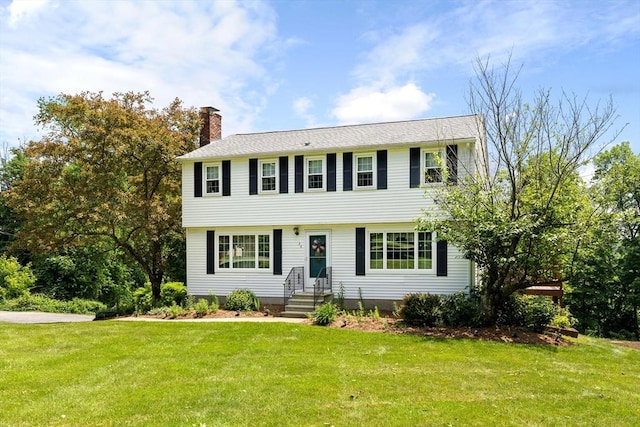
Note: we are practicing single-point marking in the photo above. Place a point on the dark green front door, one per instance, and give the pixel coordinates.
(317, 254)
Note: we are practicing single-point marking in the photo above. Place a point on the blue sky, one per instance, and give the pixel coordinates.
(288, 64)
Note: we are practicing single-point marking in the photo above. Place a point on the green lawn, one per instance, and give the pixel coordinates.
(274, 374)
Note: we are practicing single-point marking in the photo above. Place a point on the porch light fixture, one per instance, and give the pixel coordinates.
(296, 230)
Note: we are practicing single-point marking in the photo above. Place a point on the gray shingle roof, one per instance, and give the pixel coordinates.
(340, 138)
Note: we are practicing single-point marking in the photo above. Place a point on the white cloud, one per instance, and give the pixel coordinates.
(301, 107)
(203, 53)
(23, 9)
(368, 104)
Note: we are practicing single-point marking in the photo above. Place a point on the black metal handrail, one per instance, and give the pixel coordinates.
(322, 284)
(294, 282)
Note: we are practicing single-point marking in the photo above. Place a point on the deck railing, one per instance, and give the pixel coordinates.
(293, 283)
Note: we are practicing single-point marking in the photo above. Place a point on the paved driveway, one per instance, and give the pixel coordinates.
(38, 317)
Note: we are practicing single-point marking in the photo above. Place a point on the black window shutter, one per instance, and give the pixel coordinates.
(299, 165)
(226, 177)
(347, 171)
(211, 251)
(452, 163)
(331, 172)
(441, 258)
(277, 252)
(414, 167)
(381, 163)
(361, 250)
(283, 165)
(253, 176)
(197, 179)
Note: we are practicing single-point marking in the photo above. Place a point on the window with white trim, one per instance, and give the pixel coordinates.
(432, 164)
(315, 173)
(212, 178)
(401, 250)
(268, 176)
(244, 251)
(364, 170)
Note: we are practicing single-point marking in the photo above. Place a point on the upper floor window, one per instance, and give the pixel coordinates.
(268, 176)
(432, 166)
(315, 173)
(212, 178)
(364, 170)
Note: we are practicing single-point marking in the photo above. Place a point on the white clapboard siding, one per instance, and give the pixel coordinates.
(386, 285)
(398, 203)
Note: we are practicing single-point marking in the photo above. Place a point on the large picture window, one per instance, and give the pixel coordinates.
(244, 251)
(400, 251)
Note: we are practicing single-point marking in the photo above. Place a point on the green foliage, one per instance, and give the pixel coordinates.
(242, 300)
(525, 211)
(604, 289)
(563, 319)
(201, 308)
(339, 297)
(530, 311)
(173, 292)
(15, 279)
(106, 173)
(36, 302)
(325, 314)
(143, 299)
(420, 309)
(175, 311)
(460, 310)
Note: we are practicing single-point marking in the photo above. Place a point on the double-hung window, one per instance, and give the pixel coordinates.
(400, 250)
(432, 164)
(268, 176)
(364, 170)
(315, 173)
(244, 251)
(212, 178)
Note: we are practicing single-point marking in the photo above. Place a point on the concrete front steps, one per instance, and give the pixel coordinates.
(301, 304)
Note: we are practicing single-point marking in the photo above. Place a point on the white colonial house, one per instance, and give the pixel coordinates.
(326, 211)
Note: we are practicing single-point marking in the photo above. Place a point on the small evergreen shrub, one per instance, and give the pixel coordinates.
(15, 280)
(563, 319)
(143, 299)
(460, 310)
(175, 311)
(242, 300)
(201, 308)
(173, 292)
(325, 314)
(533, 312)
(420, 309)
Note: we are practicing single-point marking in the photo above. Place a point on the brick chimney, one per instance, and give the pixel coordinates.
(211, 125)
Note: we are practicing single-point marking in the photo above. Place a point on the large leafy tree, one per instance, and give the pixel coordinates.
(106, 172)
(11, 166)
(518, 213)
(604, 292)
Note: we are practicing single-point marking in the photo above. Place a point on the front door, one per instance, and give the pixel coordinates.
(318, 251)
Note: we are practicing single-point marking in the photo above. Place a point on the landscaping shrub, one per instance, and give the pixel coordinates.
(460, 310)
(36, 302)
(242, 300)
(143, 299)
(173, 292)
(15, 280)
(563, 319)
(531, 311)
(201, 307)
(420, 309)
(325, 314)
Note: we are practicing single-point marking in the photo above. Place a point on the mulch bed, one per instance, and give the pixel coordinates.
(500, 334)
